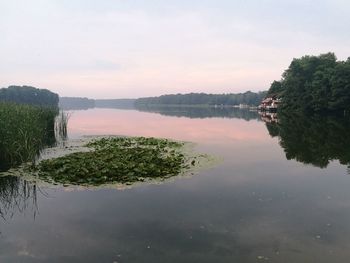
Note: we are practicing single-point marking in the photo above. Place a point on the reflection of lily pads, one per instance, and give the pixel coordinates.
(119, 160)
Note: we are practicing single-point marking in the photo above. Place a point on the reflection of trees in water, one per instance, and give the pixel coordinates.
(17, 195)
(201, 112)
(315, 140)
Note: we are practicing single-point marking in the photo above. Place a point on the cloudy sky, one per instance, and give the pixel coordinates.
(135, 48)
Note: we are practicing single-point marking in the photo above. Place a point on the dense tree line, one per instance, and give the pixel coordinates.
(250, 98)
(314, 84)
(29, 95)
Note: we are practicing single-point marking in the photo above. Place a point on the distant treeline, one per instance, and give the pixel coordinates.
(314, 84)
(249, 98)
(76, 103)
(29, 95)
(191, 99)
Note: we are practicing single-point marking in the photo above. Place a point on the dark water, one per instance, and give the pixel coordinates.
(255, 206)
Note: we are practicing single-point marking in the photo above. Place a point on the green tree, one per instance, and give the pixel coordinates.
(314, 84)
(276, 88)
(29, 95)
(340, 87)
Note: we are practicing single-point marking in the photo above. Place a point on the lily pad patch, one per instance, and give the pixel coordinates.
(123, 160)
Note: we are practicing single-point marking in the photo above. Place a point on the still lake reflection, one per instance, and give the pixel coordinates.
(255, 206)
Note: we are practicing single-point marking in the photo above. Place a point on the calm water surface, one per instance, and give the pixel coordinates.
(255, 206)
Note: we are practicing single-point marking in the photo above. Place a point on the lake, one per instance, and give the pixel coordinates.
(280, 193)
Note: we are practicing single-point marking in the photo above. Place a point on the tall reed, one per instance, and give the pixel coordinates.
(24, 131)
(61, 126)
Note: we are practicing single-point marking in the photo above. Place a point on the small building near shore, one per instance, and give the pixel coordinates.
(270, 103)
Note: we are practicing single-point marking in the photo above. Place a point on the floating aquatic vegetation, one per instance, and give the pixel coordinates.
(125, 160)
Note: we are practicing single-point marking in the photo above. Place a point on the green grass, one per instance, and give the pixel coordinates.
(24, 131)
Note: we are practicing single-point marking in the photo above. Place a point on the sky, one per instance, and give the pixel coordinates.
(137, 48)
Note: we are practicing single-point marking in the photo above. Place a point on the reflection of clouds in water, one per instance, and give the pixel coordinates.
(254, 205)
(279, 219)
(214, 130)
